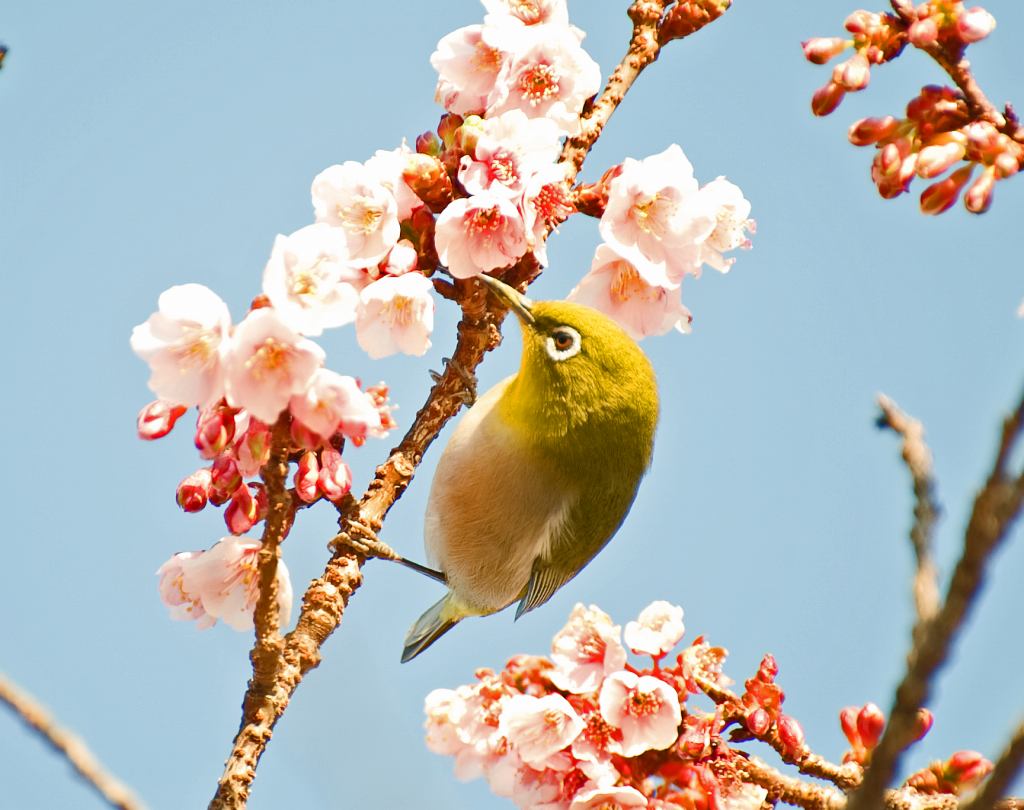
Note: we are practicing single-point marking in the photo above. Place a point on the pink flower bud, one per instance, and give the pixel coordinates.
(820, 49)
(224, 479)
(1006, 164)
(870, 725)
(860, 22)
(248, 507)
(194, 491)
(982, 136)
(335, 479)
(303, 437)
(307, 476)
(940, 196)
(157, 419)
(966, 769)
(758, 722)
(768, 670)
(890, 158)
(215, 429)
(848, 722)
(402, 259)
(974, 24)
(923, 33)
(253, 449)
(791, 734)
(427, 143)
(935, 159)
(853, 74)
(922, 723)
(872, 130)
(827, 98)
(978, 198)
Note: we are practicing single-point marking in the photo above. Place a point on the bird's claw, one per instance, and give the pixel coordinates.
(468, 394)
(362, 540)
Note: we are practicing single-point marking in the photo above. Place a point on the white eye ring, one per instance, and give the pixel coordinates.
(557, 354)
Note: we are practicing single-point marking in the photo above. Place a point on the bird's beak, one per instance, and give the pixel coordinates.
(511, 297)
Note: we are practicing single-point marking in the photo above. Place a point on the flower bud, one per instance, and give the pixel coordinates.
(427, 143)
(872, 130)
(1006, 164)
(401, 259)
(820, 49)
(923, 33)
(215, 429)
(827, 98)
(253, 449)
(922, 723)
(306, 477)
(303, 437)
(978, 198)
(446, 128)
(940, 196)
(974, 24)
(248, 507)
(335, 478)
(860, 22)
(427, 177)
(758, 722)
(870, 725)
(791, 734)
(933, 160)
(194, 491)
(157, 419)
(467, 136)
(224, 479)
(853, 74)
(848, 722)
(768, 670)
(966, 769)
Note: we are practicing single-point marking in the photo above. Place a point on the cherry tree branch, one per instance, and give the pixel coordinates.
(996, 507)
(34, 715)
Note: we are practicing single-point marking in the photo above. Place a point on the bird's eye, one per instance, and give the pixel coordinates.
(563, 343)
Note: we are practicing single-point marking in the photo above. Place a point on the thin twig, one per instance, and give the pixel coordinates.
(1007, 767)
(788, 789)
(918, 459)
(996, 507)
(34, 715)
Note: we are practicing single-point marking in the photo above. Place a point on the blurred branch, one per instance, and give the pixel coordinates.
(918, 459)
(996, 507)
(34, 715)
(1007, 767)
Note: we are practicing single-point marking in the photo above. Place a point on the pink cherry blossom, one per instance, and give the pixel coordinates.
(551, 78)
(657, 629)
(538, 789)
(396, 314)
(309, 281)
(510, 149)
(616, 287)
(527, 12)
(352, 197)
(539, 727)
(387, 166)
(644, 708)
(334, 402)
(732, 222)
(268, 364)
(221, 583)
(444, 709)
(585, 650)
(468, 66)
(655, 219)
(608, 798)
(546, 202)
(401, 260)
(184, 342)
(478, 234)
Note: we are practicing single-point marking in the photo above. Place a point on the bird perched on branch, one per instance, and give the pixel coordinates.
(541, 471)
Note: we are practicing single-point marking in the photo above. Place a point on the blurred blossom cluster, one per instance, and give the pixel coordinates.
(475, 196)
(585, 729)
(941, 131)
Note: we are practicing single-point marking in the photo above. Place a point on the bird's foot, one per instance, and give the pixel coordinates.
(468, 394)
(363, 540)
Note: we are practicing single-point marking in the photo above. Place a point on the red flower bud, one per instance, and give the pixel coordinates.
(307, 476)
(966, 769)
(978, 198)
(827, 98)
(224, 479)
(922, 723)
(335, 478)
(157, 419)
(758, 722)
(870, 725)
(427, 177)
(447, 126)
(194, 491)
(427, 143)
(791, 734)
(934, 159)
(853, 74)
(247, 508)
(940, 196)
(820, 49)
(923, 33)
(871, 130)
(848, 722)
(215, 429)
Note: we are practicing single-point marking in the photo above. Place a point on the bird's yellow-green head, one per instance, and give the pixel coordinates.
(580, 374)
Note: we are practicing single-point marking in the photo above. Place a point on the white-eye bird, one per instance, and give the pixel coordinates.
(542, 469)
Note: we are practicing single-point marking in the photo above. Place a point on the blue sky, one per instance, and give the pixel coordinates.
(149, 145)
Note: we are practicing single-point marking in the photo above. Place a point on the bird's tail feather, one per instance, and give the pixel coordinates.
(434, 623)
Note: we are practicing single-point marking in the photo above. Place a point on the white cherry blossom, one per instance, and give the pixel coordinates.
(658, 629)
(334, 402)
(511, 148)
(585, 650)
(644, 708)
(353, 197)
(539, 727)
(732, 223)
(387, 166)
(477, 234)
(609, 798)
(396, 314)
(468, 66)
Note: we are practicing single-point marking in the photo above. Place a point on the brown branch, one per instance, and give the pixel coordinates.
(788, 789)
(1007, 767)
(918, 459)
(996, 507)
(34, 715)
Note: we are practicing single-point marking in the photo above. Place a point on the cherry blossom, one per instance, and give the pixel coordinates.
(509, 150)
(585, 650)
(352, 197)
(444, 709)
(221, 583)
(644, 708)
(732, 218)
(608, 798)
(309, 281)
(539, 727)
(551, 78)
(396, 314)
(655, 219)
(387, 166)
(526, 12)
(268, 364)
(468, 66)
(184, 342)
(334, 402)
(478, 234)
(657, 630)
(546, 202)
(616, 287)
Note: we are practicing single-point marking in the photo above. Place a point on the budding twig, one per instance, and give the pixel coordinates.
(996, 507)
(789, 789)
(918, 459)
(34, 715)
(1007, 767)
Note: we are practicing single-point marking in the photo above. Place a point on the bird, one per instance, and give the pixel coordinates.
(541, 471)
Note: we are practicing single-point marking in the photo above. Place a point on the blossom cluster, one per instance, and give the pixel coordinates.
(585, 729)
(940, 130)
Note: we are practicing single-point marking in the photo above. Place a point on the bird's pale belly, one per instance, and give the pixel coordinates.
(491, 512)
